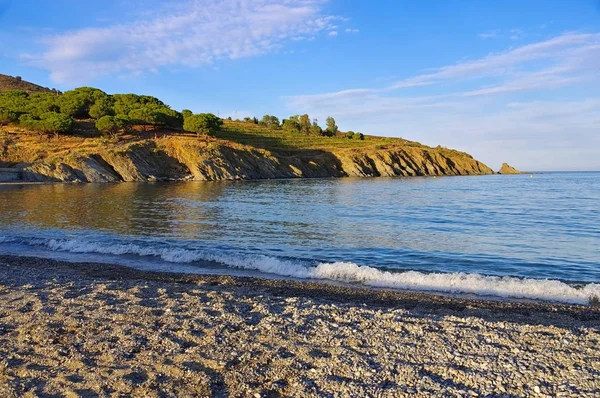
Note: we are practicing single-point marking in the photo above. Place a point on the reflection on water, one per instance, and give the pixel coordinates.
(547, 226)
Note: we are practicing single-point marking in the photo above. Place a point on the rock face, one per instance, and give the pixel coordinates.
(177, 160)
(506, 169)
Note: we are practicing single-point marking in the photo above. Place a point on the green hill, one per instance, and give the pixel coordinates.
(88, 135)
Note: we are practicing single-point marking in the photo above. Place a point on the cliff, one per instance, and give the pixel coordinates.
(181, 157)
(506, 169)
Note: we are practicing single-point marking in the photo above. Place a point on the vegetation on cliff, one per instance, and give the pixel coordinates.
(94, 136)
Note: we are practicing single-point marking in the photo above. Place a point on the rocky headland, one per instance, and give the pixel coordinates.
(181, 157)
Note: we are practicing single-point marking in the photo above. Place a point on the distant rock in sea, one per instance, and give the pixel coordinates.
(506, 169)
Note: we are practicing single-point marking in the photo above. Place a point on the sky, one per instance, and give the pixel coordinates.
(506, 81)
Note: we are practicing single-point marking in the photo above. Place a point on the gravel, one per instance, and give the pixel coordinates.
(102, 330)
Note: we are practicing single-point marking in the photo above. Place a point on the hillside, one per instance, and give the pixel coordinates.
(16, 83)
(170, 155)
(86, 135)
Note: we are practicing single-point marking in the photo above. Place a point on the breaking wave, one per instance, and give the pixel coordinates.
(455, 283)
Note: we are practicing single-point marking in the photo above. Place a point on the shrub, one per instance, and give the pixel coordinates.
(102, 107)
(203, 123)
(112, 125)
(350, 135)
(40, 103)
(55, 123)
(7, 116)
(186, 113)
(14, 100)
(49, 123)
(358, 136)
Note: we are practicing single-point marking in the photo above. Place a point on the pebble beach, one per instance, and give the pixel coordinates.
(97, 330)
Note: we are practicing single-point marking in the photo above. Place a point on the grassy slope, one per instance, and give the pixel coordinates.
(28, 147)
(23, 146)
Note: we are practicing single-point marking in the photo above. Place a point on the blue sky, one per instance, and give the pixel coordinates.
(507, 81)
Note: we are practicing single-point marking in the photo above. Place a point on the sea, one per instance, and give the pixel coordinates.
(517, 237)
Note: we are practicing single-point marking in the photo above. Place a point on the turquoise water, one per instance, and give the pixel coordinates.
(510, 236)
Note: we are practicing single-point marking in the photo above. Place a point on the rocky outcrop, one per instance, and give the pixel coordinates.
(180, 160)
(506, 169)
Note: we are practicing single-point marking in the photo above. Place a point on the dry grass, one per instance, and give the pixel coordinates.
(12, 83)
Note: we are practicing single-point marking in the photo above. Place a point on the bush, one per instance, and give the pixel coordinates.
(358, 136)
(350, 135)
(14, 100)
(112, 125)
(7, 116)
(186, 113)
(50, 123)
(203, 123)
(102, 107)
(55, 123)
(40, 103)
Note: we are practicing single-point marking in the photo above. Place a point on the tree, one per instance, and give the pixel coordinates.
(270, 121)
(50, 123)
(102, 107)
(315, 129)
(203, 123)
(15, 100)
(107, 125)
(332, 128)
(146, 116)
(42, 102)
(55, 123)
(291, 124)
(7, 116)
(186, 113)
(112, 125)
(77, 103)
(304, 123)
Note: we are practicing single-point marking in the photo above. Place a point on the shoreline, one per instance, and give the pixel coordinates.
(85, 329)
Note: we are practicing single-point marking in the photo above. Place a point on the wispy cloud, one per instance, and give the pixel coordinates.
(333, 33)
(478, 103)
(189, 33)
(490, 35)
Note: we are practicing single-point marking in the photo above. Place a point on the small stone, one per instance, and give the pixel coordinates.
(537, 389)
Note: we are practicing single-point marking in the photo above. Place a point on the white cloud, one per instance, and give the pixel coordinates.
(189, 33)
(333, 33)
(490, 35)
(348, 30)
(489, 106)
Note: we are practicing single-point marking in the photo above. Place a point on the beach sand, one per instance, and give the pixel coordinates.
(102, 330)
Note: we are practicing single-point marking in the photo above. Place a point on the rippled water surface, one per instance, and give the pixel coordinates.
(541, 227)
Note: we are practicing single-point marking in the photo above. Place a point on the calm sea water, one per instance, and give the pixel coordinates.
(511, 236)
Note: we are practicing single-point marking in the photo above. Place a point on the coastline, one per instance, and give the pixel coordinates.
(103, 329)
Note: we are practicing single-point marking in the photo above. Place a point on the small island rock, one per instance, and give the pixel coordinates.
(506, 169)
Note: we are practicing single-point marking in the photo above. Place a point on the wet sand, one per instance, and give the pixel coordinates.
(74, 329)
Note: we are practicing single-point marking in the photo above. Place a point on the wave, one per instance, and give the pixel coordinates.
(454, 283)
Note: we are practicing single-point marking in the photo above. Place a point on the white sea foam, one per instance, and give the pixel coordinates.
(524, 288)
(538, 289)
